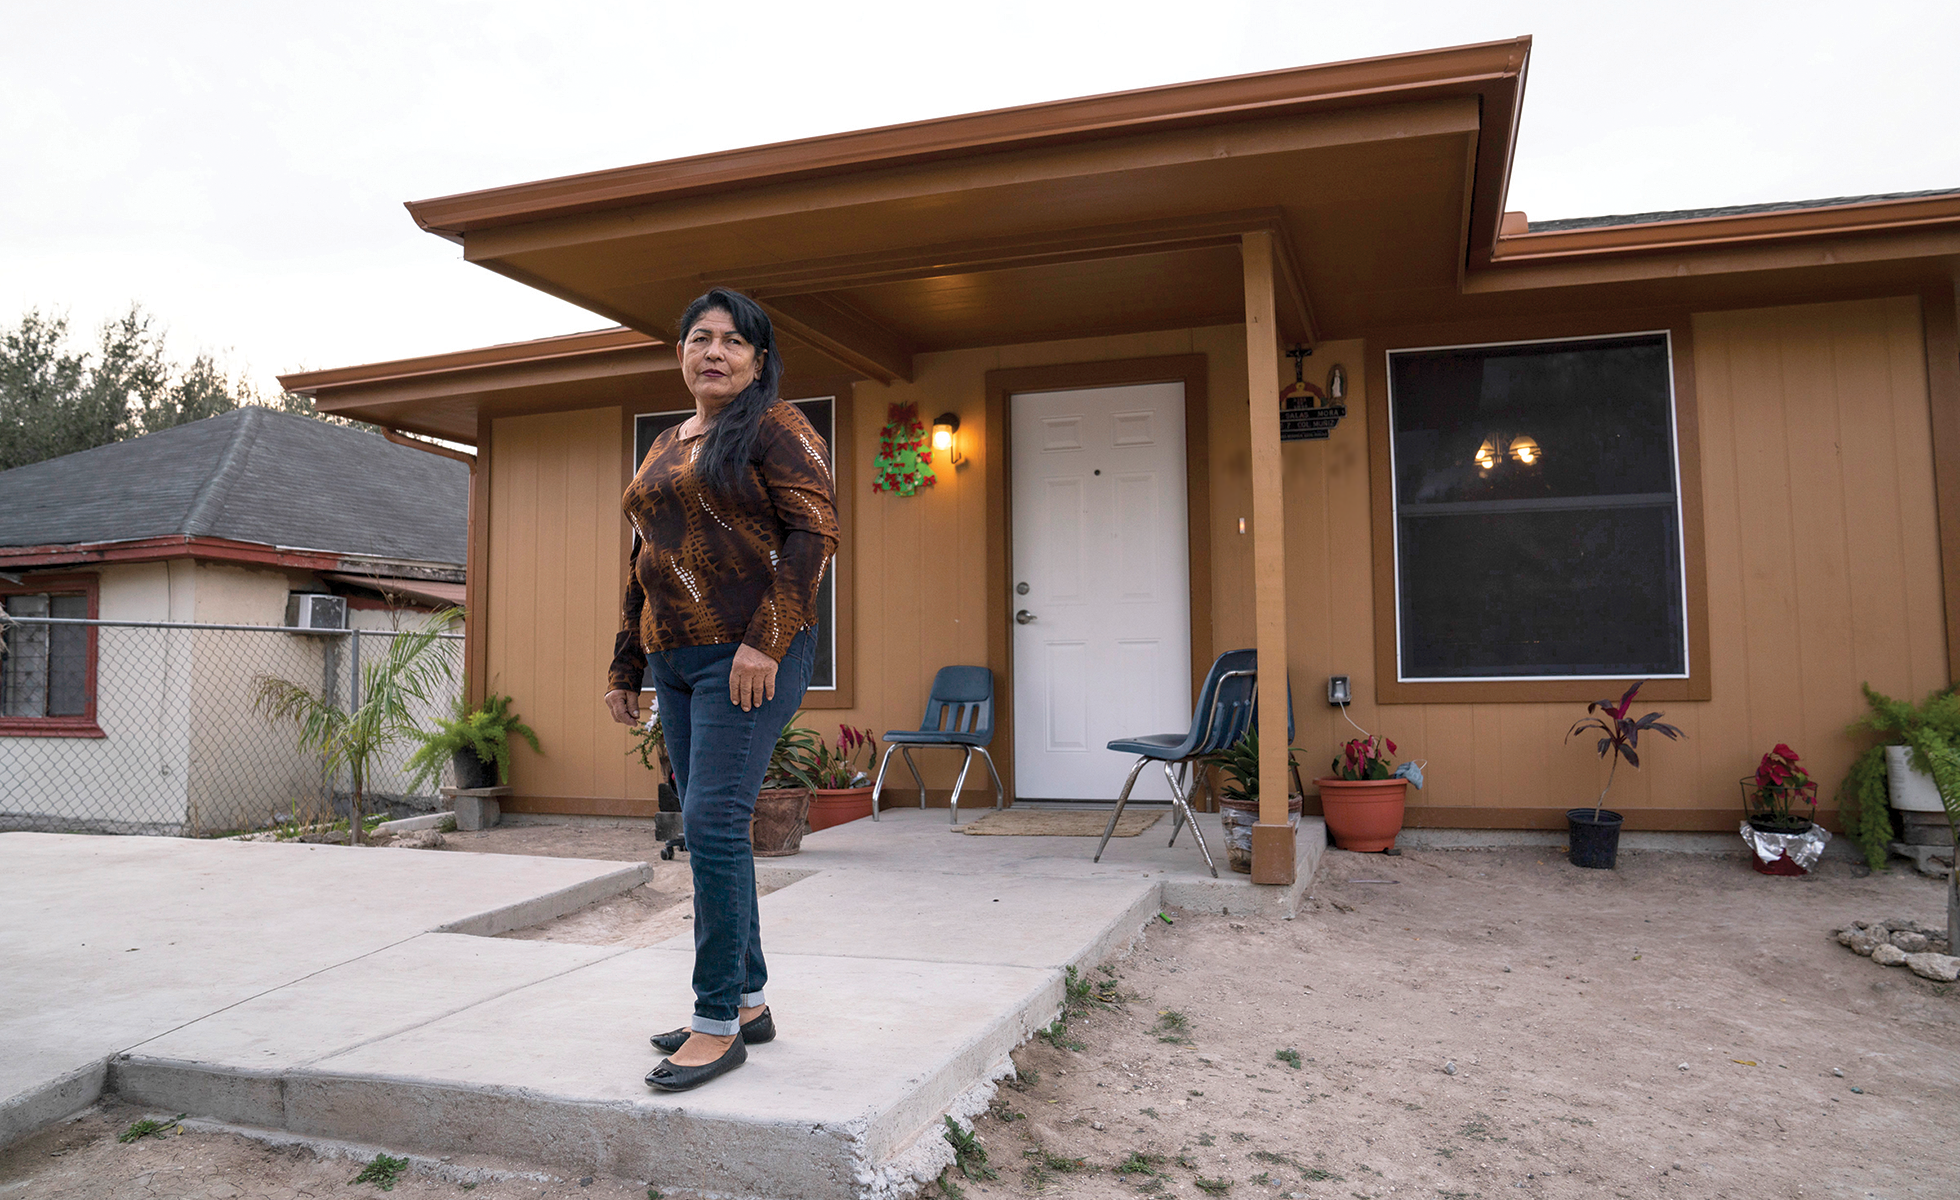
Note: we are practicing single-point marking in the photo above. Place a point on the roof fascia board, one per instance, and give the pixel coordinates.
(1464, 68)
(1729, 257)
(385, 382)
(161, 548)
(1496, 148)
(559, 349)
(1783, 224)
(1433, 117)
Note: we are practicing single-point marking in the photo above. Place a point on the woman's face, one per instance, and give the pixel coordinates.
(716, 361)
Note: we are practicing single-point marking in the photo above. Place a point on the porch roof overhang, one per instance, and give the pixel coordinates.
(1109, 214)
(1380, 182)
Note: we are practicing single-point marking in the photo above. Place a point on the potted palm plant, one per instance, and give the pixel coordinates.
(1238, 797)
(1364, 795)
(784, 801)
(1594, 834)
(475, 741)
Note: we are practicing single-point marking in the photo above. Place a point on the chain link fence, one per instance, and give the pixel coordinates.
(149, 727)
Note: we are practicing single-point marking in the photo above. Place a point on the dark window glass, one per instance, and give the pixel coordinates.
(1537, 517)
(44, 668)
(822, 414)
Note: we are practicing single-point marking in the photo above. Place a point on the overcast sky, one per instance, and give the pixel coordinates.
(239, 168)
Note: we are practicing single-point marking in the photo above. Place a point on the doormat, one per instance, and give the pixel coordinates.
(1029, 822)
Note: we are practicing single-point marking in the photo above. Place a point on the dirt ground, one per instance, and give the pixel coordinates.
(1447, 1024)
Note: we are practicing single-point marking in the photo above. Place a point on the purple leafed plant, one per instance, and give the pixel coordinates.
(1621, 735)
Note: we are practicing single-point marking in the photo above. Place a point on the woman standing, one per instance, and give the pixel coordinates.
(734, 520)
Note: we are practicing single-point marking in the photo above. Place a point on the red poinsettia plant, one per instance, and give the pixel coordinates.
(1780, 783)
(1365, 758)
(1620, 734)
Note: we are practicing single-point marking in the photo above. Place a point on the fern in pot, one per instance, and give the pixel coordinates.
(475, 741)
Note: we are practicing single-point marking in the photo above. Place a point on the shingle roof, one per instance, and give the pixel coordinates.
(251, 475)
(1733, 210)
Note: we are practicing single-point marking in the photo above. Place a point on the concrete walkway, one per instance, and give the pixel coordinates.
(352, 994)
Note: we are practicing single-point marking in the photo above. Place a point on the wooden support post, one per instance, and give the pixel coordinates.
(1272, 837)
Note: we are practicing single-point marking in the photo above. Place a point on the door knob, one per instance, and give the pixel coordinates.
(1023, 617)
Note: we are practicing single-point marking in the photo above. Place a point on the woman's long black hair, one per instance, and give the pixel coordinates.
(731, 439)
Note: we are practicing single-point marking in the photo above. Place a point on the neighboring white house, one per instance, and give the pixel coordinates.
(216, 523)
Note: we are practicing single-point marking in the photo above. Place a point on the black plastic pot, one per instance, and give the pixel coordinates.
(1594, 840)
(472, 772)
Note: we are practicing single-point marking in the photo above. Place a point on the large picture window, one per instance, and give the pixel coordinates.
(822, 413)
(1537, 511)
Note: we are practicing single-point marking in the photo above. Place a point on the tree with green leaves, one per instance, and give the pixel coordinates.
(55, 400)
(416, 664)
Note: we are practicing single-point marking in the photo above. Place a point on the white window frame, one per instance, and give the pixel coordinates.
(1680, 521)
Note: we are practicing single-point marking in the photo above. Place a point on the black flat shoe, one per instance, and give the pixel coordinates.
(670, 1078)
(755, 1031)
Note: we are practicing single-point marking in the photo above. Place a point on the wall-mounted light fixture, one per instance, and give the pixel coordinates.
(1525, 449)
(946, 437)
(1487, 455)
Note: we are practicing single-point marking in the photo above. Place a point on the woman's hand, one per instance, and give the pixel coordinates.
(751, 677)
(624, 706)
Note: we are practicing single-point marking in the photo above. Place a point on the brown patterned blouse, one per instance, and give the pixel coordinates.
(708, 568)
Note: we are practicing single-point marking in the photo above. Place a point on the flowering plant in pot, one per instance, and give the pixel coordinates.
(1781, 800)
(840, 789)
(1364, 794)
(1594, 835)
(1781, 796)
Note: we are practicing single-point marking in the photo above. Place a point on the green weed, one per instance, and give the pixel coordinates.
(1217, 1187)
(1173, 1027)
(968, 1154)
(1140, 1163)
(1290, 1057)
(1322, 1175)
(1057, 1036)
(383, 1172)
(147, 1128)
(948, 1187)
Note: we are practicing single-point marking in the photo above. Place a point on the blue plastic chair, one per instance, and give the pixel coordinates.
(959, 716)
(1228, 704)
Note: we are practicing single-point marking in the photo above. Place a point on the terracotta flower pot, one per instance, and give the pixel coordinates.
(1363, 814)
(835, 806)
(777, 830)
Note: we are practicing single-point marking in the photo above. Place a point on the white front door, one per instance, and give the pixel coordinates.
(1101, 586)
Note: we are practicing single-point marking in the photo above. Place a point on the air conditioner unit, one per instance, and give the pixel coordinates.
(316, 610)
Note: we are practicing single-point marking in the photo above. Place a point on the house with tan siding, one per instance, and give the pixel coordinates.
(1718, 450)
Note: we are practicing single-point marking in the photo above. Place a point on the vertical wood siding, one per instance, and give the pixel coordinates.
(555, 582)
(1822, 553)
(1823, 572)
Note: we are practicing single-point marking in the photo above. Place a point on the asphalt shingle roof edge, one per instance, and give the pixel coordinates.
(1732, 210)
(250, 475)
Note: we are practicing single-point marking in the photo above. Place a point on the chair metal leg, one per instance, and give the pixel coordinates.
(1184, 806)
(905, 752)
(1177, 814)
(966, 760)
(1000, 789)
(1121, 800)
(878, 784)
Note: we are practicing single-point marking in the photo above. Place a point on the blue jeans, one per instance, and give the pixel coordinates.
(719, 755)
